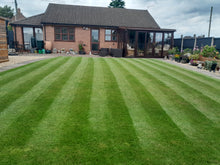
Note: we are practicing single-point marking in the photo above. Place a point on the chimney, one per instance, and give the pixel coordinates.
(19, 11)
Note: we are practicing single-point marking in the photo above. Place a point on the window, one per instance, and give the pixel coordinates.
(110, 35)
(64, 33)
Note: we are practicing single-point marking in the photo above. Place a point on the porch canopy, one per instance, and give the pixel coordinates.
(29, 27)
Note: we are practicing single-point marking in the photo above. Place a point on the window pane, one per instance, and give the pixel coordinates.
(57, 30)
(39, 33)
(57, 37)
(95, 35)
(107, 31)
(71, 37)
(95, 47)
(114, 38)
(28, 33)
(114, 32)
(71, 30)
(64, 30)
(108, 38)
(64, 37)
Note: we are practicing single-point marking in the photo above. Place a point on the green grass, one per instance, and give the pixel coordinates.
(74, 110)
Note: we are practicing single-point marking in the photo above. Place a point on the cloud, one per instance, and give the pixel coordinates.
(188, 17)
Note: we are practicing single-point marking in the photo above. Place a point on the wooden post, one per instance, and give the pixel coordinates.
(136, 44)
(125, 41)
(182, 41)
(154, 40)
(162, 45)
(172, 40)
(195, 42)
(212, 42)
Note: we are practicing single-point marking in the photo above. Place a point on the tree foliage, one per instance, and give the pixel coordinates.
(117, 4)
(6, 11)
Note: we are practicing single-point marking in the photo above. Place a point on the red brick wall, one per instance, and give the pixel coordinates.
(81, 36)
(18, 34)
(103, 43)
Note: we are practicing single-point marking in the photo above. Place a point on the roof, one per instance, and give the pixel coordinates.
(101, 16)
(4, 18)
(91, 16)
(30, 21)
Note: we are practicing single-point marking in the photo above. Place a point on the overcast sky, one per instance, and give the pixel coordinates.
(188, 17)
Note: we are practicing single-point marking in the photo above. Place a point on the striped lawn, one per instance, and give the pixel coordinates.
(74, 110)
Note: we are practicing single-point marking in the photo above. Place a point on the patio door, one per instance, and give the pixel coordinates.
(145, 44)
(95, 41)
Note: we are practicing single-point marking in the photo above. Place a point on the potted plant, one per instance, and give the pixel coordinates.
(185, 55)
(173, 52)
(63, 50)
(177, 57)
(193, 59)
(217, 68)
(81, 49)
(213, 66)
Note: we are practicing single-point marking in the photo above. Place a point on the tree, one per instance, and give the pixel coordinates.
(117, 4)
(6, 11)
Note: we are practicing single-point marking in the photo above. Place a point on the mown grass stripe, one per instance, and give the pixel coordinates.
(156, 75)
(75, 135)
(12, 91)
(79, 107)
(155, 86)
(123, 145)
(50, 129)
(18, 133)
(191, 74)
(206, 105)
(22, 71)
(146, 133)
(98, 104)
(19, 106)
(200, 86)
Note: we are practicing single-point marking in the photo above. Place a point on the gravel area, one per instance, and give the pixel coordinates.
(19, 59)
(26, 58)
(194, 68)
(16, 61)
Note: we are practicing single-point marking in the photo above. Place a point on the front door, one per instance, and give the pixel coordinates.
(95, 41)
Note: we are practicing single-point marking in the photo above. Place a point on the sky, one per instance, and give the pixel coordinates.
(188, 17)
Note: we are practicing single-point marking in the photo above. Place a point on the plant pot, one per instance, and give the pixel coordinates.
(81, 52)
(213, 67)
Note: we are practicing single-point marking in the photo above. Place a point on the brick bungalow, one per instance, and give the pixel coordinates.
(66, 26)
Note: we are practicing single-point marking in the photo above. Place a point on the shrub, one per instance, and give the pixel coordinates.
(174, 51)
(209, 51)
(187, 50)
(194, 56)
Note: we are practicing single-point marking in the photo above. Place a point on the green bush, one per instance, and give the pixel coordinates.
(194, 56)
(174, 51)
(209, 51)
(187, 50)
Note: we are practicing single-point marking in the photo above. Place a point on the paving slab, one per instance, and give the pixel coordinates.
(15, 62)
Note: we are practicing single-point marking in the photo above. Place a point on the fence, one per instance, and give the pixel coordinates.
(200, 42)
